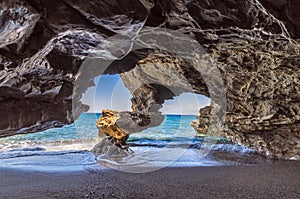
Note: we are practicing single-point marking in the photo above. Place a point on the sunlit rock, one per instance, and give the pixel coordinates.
(107, 126)
(117, 126)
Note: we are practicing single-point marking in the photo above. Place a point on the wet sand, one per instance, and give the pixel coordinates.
(276, 180)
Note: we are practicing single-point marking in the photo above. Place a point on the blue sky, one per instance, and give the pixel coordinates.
(110, 93)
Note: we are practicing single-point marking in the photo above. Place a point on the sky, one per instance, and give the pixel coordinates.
(111, 93)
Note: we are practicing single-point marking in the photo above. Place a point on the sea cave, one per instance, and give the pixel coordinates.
(241, 56)
(252, 62)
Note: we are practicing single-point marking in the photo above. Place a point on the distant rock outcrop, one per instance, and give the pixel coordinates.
(203, 120)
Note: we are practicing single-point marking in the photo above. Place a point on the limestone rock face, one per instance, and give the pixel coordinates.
(253, 45)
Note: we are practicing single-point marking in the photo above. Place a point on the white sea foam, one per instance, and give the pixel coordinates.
(42, 161)
(173, 144)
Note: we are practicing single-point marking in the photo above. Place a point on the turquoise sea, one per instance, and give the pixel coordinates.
(174, 142)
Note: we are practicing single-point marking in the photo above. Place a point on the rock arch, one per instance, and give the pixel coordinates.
(256, 54)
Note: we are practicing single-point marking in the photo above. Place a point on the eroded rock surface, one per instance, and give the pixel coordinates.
(117, 126)
(201, 124)
(107, 126)
(44, 45)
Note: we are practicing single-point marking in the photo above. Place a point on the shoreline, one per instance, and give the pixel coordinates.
(269, 180)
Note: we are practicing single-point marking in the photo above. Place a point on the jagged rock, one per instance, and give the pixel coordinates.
(119, 125)
(203, 120)
(107, 148)
(280, 143)
(107, 126)
(44, 45)
(286, 11)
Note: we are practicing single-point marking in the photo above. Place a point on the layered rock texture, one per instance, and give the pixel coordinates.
(201, 124)
(107, 126)
(252, 44)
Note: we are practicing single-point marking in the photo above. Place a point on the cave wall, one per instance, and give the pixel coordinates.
(254, 45)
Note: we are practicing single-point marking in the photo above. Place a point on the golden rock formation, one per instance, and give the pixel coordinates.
(107, 126)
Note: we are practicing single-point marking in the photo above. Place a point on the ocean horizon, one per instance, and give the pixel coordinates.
(68, 148)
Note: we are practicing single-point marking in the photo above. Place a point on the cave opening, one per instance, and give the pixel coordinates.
(158, 144)
(179, 111)
(176, 128)
(109, 92)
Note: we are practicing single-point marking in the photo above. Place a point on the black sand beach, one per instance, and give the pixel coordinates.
(276, 180)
